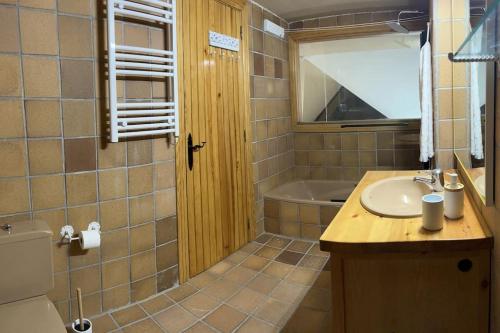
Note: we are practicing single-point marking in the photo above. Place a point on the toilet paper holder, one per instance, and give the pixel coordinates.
(68, 231)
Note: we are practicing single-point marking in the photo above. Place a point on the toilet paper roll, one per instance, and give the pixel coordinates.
(90, 239)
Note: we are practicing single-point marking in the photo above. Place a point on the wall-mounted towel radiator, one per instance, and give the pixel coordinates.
(142, 118)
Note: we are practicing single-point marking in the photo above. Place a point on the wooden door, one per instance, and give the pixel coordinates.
(218, 203)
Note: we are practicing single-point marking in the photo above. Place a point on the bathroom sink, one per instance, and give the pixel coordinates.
(395, 197)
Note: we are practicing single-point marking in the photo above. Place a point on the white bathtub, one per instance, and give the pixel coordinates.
(322, 192)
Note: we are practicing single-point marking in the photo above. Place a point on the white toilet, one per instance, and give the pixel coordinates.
(26, 275)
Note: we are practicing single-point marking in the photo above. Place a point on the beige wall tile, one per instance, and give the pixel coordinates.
(43, 118)
(77, 79)
(139, 152)
(115, 273)
(10, 80)
(13, 158)
(141, 209)
(166, 256)
(165, 175)
(88, 279)
(142, 265)
(165, 203)
(142, 289)
(112, 184)
(115, 297)
(75, 37)
(41, 76)
(80, 217)
(38, 32)
(142, 238)
(113, 214)
(444, 73)
(140, 180)
(136, 35)
(112, 155)
(47, 192)
(45, 4)
(81, 188)
(14, 196)
(11, 119)
(80, 154)
(9, 29)
(446, 135)
(115, 244)
(78, 118)
(80, 7)
(45, 156)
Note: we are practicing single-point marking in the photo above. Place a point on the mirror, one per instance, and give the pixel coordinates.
(473, 118)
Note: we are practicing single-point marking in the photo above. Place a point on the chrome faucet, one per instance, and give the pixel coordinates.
(436, 180)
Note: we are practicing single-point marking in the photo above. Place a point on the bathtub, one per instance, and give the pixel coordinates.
(304, 208)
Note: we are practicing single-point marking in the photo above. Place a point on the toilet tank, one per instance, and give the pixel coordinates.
(25, 261)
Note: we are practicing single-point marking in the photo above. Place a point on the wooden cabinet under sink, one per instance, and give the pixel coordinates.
(411, 293)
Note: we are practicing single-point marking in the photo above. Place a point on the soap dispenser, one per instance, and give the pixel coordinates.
(454, 198)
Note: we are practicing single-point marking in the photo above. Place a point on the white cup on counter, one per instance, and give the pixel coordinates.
(432, 212)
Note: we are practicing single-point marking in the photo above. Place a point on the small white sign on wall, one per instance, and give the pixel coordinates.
(223, 41)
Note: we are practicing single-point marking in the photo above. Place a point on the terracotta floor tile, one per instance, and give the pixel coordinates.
(253, 325)
(203, 279)
(288, 292)
(221, 267)
(278, 269)
(264, 238)
(240, 275)
(181, 292)
(225, 318)
(299, 246)
(129, 315)
(308, 320)
(314, 262)
(199, 327)
(146, 325)
(175, 319)
(268, 252)
(324, 280)
(288, 257)
(103, 324)
(251, 247)
(273, 311)
(200, 304)
(156, 304)
(222, 289)
(246, 300)
(315, 251)
(302, 276)
(278, 242)
(237, 257)
(263, 283)
(254, 262)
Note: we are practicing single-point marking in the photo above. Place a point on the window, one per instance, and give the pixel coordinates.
(362, 80)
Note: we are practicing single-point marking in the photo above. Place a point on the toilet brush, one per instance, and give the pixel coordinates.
(80, 308)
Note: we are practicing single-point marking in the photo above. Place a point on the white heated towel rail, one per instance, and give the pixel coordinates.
(132, 119)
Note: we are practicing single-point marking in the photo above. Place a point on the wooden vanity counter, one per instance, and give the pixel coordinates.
(356, 230)
(390, 275)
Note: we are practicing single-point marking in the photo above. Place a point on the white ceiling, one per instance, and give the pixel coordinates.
(297, 9)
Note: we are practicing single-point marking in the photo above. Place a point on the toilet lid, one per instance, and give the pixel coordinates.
(34, 315)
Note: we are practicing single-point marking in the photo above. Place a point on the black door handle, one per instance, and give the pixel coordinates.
(192, 149)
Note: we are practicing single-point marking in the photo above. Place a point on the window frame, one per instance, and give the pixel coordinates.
(297, 37)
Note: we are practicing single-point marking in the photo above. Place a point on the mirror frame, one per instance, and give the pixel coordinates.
(489, 146)
(297, 37)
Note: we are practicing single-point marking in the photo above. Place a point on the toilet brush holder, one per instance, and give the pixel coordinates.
(87, 326)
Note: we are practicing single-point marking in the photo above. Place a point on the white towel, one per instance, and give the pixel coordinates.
(426, 125)
(476, 134)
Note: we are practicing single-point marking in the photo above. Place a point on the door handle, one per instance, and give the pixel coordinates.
(192, 149)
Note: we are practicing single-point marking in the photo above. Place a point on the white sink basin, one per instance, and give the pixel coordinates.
(395, 197)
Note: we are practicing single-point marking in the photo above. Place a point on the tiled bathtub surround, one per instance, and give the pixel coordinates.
(347, 156)
(55, 163)
(271, 115)
(305, 221)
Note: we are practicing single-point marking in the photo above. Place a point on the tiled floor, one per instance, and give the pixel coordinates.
(272, 284)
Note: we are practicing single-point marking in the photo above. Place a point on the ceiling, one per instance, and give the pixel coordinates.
(298, 9)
